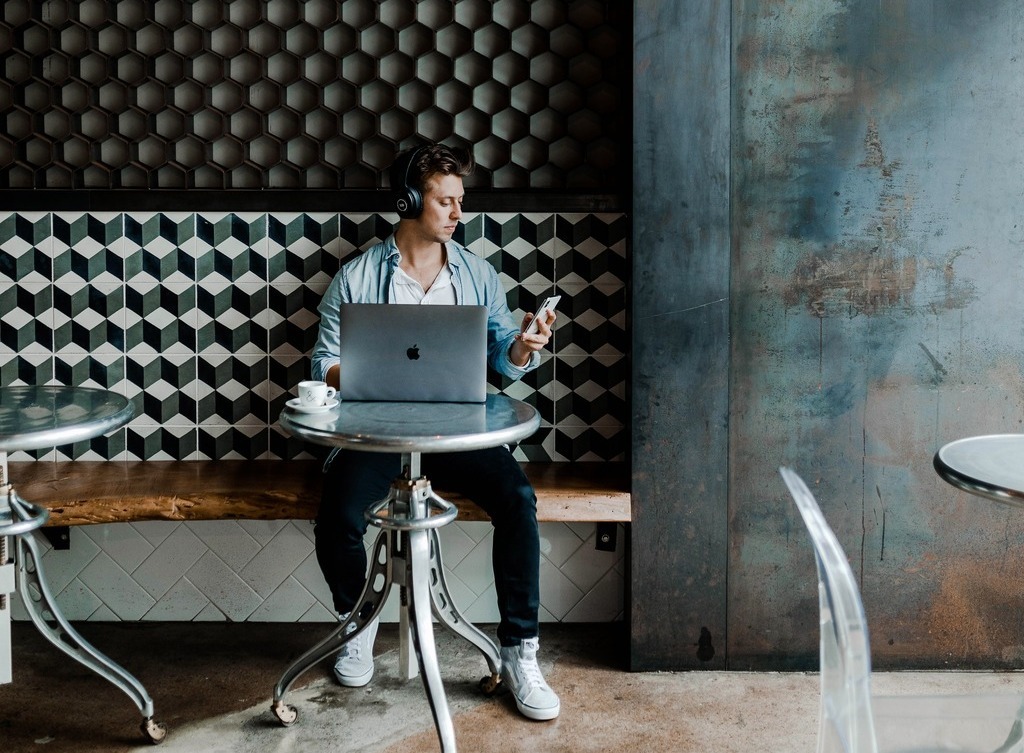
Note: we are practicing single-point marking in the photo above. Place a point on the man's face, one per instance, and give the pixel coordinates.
(442, 208)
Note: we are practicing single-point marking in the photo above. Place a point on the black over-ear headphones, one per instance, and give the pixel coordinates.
(408, 198)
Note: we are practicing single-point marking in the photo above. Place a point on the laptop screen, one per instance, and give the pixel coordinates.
(413, 353)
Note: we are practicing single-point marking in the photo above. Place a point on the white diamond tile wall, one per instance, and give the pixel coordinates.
(218, 570)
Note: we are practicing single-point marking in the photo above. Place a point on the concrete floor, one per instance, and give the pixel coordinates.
(212, 685)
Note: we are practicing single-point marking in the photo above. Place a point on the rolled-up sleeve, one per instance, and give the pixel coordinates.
(502, 331)
(328, 341)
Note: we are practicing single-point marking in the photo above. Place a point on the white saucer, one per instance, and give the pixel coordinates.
(296, 405)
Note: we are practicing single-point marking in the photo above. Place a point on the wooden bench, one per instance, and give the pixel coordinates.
(90, 492)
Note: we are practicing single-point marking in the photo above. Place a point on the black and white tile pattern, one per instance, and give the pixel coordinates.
(206, 320)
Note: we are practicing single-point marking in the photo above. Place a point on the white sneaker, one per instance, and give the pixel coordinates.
(354, 666)
(520, 672)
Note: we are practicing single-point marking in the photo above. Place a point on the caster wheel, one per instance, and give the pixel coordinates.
(490, 685)
(285, 714)
(153, 731)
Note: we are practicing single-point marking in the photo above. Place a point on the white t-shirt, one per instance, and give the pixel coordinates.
(404, 289)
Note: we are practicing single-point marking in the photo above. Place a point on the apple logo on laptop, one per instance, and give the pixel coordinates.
(413, 353)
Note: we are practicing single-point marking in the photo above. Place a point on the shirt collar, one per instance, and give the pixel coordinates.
(453, 251)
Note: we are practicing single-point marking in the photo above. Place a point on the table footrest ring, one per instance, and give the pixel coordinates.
(24, 515)
(382, 515)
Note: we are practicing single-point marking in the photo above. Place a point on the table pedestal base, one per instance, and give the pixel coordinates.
(19, 521)
(406, 553)
(6, 590)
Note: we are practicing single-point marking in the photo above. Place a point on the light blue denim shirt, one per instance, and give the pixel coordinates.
(367, 279)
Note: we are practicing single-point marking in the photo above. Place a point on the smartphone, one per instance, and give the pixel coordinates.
(548, 305)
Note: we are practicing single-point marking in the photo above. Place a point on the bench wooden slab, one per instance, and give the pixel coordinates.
(89, 492)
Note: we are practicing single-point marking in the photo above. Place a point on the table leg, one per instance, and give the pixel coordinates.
(379, 580)
(6, 590)
(408, 665)
(449, 616)
(408, 662)
(6, 579)
(20, 520)
(423, 638)
(42, 608)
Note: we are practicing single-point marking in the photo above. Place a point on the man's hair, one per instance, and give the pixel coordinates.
(437, 159)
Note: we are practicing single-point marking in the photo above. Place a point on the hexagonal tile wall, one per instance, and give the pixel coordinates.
(292, 95)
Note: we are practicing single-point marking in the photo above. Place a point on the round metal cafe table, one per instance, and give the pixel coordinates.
(407, 551)
(34, 418)
(990, 466)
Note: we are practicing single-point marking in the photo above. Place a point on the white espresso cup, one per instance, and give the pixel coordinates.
(313, 394)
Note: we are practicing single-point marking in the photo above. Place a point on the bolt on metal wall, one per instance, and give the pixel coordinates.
(285, 94)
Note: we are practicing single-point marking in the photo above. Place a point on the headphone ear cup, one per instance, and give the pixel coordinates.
(409, 203)
(408, 199)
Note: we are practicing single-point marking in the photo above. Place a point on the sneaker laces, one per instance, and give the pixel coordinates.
(529, 666)
(354, 648)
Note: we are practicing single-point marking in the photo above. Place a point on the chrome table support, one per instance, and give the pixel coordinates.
(20, 520)
(34, 418)
(407, 553)
(8, 528)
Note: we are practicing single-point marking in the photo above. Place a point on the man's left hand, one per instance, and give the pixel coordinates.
(525, 344)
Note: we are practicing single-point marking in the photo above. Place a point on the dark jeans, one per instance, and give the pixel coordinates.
(492, 478)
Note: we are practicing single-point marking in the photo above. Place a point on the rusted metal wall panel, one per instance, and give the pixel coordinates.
(876, 306)
(680, 327)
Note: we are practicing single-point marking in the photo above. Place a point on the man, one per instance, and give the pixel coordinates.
(420, 264)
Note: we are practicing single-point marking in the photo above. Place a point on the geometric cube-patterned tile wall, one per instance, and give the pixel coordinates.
(206, 320)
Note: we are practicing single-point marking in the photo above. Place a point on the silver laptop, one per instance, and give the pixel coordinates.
(413, 353)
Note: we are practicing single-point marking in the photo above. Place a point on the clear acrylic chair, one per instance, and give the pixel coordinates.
(851, 721)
